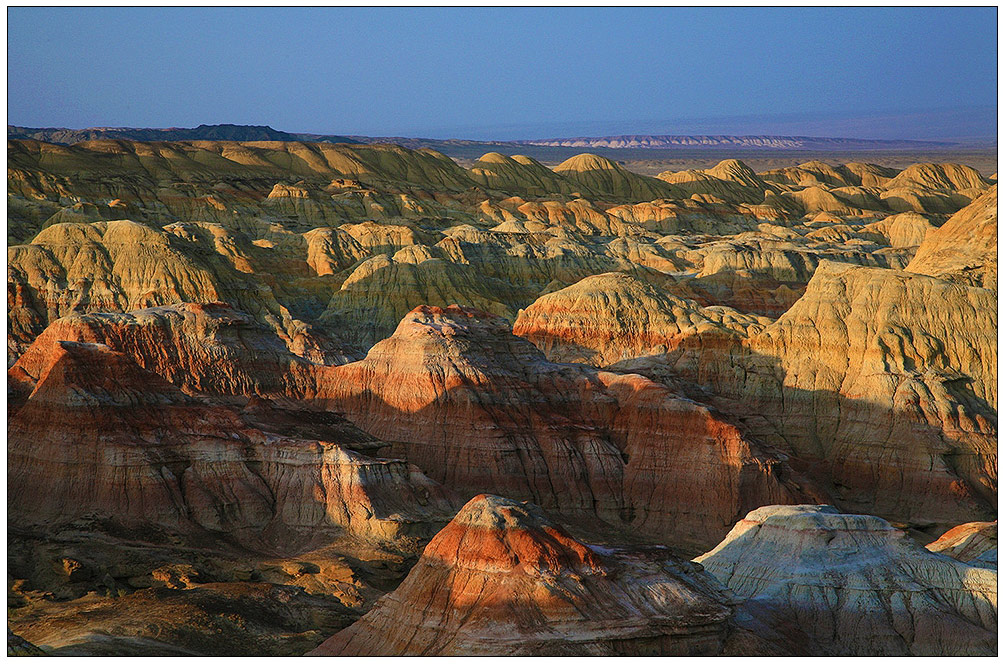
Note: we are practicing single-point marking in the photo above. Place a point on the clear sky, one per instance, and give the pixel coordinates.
(508, 73)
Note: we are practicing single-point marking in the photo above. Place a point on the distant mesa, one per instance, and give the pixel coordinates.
(220, 132)
(233, 132)
(772, 142)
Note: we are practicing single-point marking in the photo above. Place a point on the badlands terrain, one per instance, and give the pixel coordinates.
(291, 398)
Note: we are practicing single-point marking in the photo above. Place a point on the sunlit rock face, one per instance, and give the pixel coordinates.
(973, 543)
(482, 410)
(964, 248)
(611, 317)
(844, 585)
(502, 579)
(200, 348)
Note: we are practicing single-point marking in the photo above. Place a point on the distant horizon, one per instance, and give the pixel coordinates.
(980, 128)
(891, 73)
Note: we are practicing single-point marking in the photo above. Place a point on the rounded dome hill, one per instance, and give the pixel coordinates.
(609, 179)
(587, 162)
(495, 158)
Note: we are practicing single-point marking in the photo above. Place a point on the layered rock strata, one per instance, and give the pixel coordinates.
(100, 437)
(973, 543)
(845, 585)
(502, 579)
(482, 410)
(881, 383)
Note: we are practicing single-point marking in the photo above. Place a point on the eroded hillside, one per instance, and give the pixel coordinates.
(268, 375)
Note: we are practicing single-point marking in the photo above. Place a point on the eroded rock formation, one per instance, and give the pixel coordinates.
(972, 543)
(482, 410)
(244, 355)
(871, 370)
(844, 585)
(101, 437)
(502, 579)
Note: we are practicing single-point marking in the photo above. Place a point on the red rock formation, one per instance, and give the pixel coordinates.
(101, 437)
(879, 383)
(502, 579)
(973, 543)
(610, 317)
(482, 410)
(201, 348)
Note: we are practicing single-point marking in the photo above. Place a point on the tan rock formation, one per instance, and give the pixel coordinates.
(902, 230)
(186, 159)
(522, 175)
(964, 248)
(731, 180)
(611, 317)
(604, 177)
(871, 175)
(374, 298)
(817, 199)
(121, 266)
(944, 177)
(870, 374)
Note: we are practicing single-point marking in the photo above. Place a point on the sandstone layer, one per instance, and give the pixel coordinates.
(964, 248)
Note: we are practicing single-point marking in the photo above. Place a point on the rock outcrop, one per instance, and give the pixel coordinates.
(849, 585)
(18, 647)
(380, 292)
(731, 180)
(100, 437)
(964, 248)
(878, 369)
(871, 370)
(908, 229)
(479, 409)
(201, 348)
(972, 543)
(607, 178)
(121, 266)
(522, 175)
(611, 317)
(502, 579)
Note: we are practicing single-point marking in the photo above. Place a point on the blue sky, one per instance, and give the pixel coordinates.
(509, 73)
